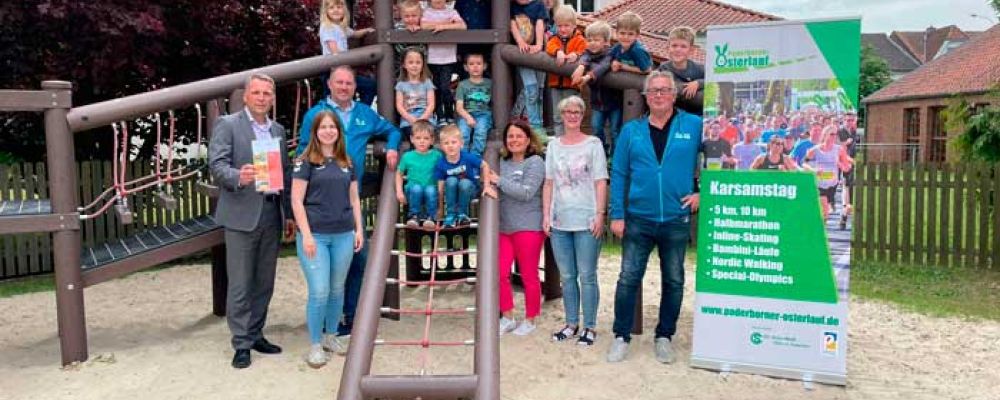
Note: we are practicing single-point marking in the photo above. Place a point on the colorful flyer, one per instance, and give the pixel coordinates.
(267, 164)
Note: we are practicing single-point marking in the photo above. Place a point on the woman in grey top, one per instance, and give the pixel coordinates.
(522, 172)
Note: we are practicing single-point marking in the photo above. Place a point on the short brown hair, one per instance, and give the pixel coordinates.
(598, 29)
(682, 33)
(422, 125)
(628, 21)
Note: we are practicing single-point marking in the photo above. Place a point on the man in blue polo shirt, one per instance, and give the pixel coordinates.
(361, 124)
(653, 172)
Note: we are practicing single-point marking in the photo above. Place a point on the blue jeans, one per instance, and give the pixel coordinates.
(576, 255)
(325, 274)
(477, 142)
(614, 121)
(670, 238)
(530, 96)
(420, 196)
(458, 194)
(355, 277)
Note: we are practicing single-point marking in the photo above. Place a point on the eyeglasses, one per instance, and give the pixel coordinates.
(575, 113)
(660, 91)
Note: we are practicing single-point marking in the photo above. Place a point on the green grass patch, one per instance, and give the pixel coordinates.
(31, 284)
(935, 291)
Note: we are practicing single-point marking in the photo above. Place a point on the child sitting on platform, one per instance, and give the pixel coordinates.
(417, 168)
(459, 177)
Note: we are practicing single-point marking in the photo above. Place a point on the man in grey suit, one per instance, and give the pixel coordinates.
(252, 219)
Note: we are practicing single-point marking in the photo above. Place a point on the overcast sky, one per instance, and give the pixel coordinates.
(883, 15)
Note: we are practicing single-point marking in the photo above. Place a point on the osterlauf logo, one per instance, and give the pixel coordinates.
(740, 60)
(756, 338)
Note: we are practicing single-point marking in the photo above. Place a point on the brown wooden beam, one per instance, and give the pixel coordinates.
(153, 257)
(34, 100)
(468, 36)
(39, 223)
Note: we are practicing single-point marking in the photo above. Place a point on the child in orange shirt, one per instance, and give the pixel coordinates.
(566, 46)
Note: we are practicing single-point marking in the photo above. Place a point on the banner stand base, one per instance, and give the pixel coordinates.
(808, 378)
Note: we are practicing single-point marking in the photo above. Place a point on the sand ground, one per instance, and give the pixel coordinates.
(152, 336)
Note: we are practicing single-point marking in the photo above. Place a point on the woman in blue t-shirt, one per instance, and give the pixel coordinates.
(328, 213)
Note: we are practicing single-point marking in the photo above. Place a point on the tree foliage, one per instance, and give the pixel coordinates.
(113, 48)
(978, 135)
(873, 75)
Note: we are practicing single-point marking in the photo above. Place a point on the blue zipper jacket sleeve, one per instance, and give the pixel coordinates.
(620, 170)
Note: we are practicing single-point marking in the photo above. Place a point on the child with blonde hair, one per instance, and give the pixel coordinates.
(335, 27)
(459, 174)
(566, 45)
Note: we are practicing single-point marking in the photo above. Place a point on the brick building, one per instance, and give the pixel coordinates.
(908, 111)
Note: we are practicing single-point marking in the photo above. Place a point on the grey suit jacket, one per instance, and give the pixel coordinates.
(239, 208)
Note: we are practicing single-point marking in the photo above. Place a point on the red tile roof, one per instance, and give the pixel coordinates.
(971, 68)
(657, 45)
(924, 45)
(660, 16)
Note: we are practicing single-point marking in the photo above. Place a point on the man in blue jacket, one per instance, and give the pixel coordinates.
(361, 124)
(653, 175)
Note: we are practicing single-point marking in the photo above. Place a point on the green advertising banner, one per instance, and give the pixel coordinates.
(772, 275)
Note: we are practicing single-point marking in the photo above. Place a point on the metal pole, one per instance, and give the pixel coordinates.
(66, 244)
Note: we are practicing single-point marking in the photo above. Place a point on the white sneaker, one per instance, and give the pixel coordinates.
(334, 344)
(664, 350)
(507, 325)
(317, 357)
(618, 350)
(524, 329)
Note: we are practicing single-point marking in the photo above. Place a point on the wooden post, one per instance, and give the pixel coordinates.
(66, 244)
(220, 280)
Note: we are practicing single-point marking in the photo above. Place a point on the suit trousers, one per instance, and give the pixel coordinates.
(251, 258)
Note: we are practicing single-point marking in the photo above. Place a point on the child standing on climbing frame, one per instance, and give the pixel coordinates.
(459, 174)
(566, 46)
(415, 97)
(335, 28)
(442, 57)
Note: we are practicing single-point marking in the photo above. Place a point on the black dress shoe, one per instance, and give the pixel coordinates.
(241, 359)
(263, 346)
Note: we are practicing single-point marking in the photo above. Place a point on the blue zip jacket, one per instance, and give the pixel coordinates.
(655, 187)
(364, 124)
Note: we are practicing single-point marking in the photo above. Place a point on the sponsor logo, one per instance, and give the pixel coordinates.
(729, 61)
(756, 338)
(682, 135)
(831, 343)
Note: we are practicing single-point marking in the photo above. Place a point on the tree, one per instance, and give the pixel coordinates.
(996, 6)
(113, 48)
(978, 136)
(873, 75)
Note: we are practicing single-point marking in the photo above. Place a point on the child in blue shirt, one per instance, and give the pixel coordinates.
(459, 174)
(629, 54)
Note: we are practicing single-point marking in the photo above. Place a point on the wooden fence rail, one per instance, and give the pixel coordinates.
(30, 254)
(927, 214)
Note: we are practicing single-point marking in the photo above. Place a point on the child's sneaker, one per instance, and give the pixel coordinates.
(463, 220)
(412, 222)
(507, 325)
(587, 338)
(524, 329)
(429, 223)
(565, 333)
(449, 221)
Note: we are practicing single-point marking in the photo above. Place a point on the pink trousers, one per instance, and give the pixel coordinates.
(526, 248)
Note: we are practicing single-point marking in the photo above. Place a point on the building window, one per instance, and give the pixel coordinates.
(978, 108)
(938, 135)
(581, 6)
(911, 127)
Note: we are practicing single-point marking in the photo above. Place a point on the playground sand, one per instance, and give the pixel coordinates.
(152, 336)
